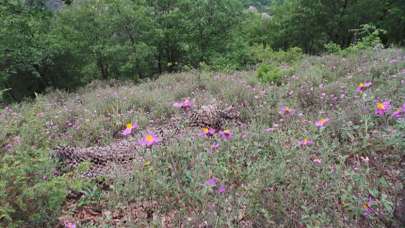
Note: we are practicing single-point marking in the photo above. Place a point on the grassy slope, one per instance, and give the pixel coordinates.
(269, 179)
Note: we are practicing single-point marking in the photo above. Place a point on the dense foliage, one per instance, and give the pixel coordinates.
(310, 24)
(49, 44)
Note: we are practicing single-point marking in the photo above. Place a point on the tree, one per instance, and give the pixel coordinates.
(22, 47)
(211, 27)
(310, 24)
(111, 38)
(393, 21)
(191, 32)
(171, 26)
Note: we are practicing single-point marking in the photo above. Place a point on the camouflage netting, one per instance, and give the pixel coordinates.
(121, 154)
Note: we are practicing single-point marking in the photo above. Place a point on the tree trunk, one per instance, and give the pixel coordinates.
(103, 69)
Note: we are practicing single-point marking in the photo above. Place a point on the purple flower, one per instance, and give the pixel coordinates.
(221, 189)
(368, 84)
(305, 142)
(226, 134)
(363, 86)
(367, 207)
(286, 111)
(215, 146)
(269, 130)
(322, 122)
(185, 104)
(149, 140)
(69, 225)
(207, 132)
(382, 107)
(397, 114)
(128, 130)
(393, 61)
(8, 146)
(212, 182)
(364, 159)
(317, 161)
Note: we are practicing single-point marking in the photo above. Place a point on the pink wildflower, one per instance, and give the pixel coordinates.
(286, 111)
(207, 132)
(185, 104)
(364, 159)
(397, 114)
(322, 122)
(393, 61)
(317, 161)
(382, 107)
(226, 134)
(149, 140)
(305, 142)
(367, 207)
(400, 112)
(215, 146)
(8, 146)
(363, 86)
(69, 225)
(269, 130)
(211, 182)
(221, 189)
(128, 130)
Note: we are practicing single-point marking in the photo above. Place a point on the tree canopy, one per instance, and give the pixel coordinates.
(68, 44)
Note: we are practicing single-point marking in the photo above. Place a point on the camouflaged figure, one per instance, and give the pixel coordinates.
(212, 116)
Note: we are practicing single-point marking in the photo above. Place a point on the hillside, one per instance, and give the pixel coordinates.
(316, 150)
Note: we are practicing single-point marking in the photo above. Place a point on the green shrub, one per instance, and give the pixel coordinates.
(290, 56)
(2, 92)
(223, 64)
(30, 195)
(332, 48)
(370, 37)
(269, 73)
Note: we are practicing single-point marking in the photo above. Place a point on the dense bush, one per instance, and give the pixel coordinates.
(369, 38)
(290, 56)
(269, 73)
(332, 48)
(276, 64)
